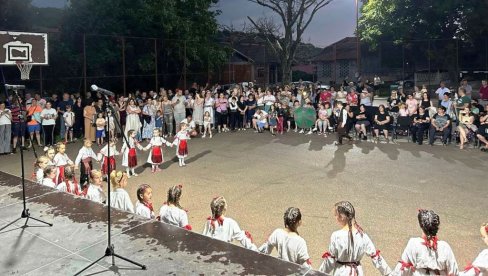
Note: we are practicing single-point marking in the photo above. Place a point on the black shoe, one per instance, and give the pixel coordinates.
(14, 150)
(365, 138)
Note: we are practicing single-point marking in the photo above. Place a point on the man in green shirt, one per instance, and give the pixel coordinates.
(462, 101)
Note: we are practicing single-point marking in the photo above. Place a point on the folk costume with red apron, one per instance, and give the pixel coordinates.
(61, 161)
(108, 160)
(156, 154)
(181, 141)
(85, 156)
(129, 154)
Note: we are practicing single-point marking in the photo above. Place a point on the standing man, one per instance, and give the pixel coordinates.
(179, 109)
(484, 92)
(467, 88)
(61, 108)
(440, 92)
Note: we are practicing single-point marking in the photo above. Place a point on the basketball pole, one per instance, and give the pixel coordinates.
(25, 212)
(110, 250)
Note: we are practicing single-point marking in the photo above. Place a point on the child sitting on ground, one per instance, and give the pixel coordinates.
(94, 190)
(480, 265)
(119, 198)
(144, 206)
(171, 212)
(49, 175)
(69, 185)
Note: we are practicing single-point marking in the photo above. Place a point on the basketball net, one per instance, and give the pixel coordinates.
(25, 68)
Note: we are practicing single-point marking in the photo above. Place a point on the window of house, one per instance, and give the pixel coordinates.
(343, 68)
(261, 72)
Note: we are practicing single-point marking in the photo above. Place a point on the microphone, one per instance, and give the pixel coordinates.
(102, 91)
(14, 86)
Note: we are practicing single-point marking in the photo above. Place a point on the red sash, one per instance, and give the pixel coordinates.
(87, 165)
(183, 148)
(106, 161)
(132, 158)
(156, 155)
(60, 175)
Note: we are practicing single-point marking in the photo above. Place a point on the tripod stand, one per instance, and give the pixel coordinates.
(25, 212)
(110, 251)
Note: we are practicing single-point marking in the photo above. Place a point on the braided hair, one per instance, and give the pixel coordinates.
(346, 211)
(141, 190)
(174, 195)
(429, 223)
(292, 218)
(218, 207)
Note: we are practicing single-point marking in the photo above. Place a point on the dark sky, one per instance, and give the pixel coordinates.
(334, 22)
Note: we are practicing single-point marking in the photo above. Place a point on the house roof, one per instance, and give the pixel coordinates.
(345, 48)
(238, 56)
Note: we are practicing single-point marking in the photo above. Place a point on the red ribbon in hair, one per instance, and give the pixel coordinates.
(406, 265)
(376, 254)
(248, 235)
(309, 262)
(220, 221)
(470, 266)
(430, 243)
(188, 227)
(486, 228)
(327, 255)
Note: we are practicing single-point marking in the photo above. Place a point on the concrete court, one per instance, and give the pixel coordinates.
(261, 176)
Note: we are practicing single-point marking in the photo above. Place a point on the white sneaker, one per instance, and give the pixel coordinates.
(210, 135)
(203, 136)
(134, 174)
(301, 131)
(310, 132)
(314, 129)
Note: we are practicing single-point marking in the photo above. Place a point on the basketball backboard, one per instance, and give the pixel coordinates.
(17, 47)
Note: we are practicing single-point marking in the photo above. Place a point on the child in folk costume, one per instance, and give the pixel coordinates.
(85, 156)
(181, 141)
(69, 184)
(144, 206)
(49, 175)
(49, 152)
(61, 161)
(223, 228)
(108, 161)
(41, 163)
(119, 198)
(156, 144)
(427, 255)
(349, 245)
(171, 212)
(291, 247)
(94, 190)
(129, 154)
(480, 265)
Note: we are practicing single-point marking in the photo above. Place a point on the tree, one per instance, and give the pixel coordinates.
(15, 15)
(285, 37)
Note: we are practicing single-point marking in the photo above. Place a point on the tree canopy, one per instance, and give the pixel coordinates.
(403, 20)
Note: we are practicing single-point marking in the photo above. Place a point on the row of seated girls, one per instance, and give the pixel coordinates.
(424, 255)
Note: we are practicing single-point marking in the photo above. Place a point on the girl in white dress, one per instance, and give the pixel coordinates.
(349, 245)
(144, 206)
(223, 228)
(181, 143)
(61, 161)
(108, 160)
(119, 198)
(207, 124)
(133, 121)
(94, 190)
(69, 185)
(156, 145)
(291, 247)
(198, 111)
(208, 105)
(129, 154)
(49, 175)
(149, 110)
(479, 267)
(41, 163)
(84, 157)
(427, 255)
(171, 212)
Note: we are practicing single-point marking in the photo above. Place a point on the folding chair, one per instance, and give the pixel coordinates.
(403, 124)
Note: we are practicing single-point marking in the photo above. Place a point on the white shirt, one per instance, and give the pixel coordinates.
(6, 117)
(228, 231)
(39, 175)
(63, 187)
(173, 215)
(120, 199)
(441, 91)
(261, 117)
(190, 124)
(48, 116)
(61, 160)
(179, 107)
(69, 118)
(85, 153)
(291, 247)
(95, 193)
(481, 263)
(269, 99)
(48, 182)
(143, 211)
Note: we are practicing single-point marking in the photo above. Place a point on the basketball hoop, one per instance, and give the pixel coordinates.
(25, 68)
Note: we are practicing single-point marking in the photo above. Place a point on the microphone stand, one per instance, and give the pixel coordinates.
(25, 212)
(110, 250)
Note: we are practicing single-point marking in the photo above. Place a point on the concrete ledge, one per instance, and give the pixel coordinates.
(79, 236)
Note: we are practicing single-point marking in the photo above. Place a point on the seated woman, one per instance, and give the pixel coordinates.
(322, 123)
(421, 123)
(466, 125)
(362, 122)
(381, 123)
